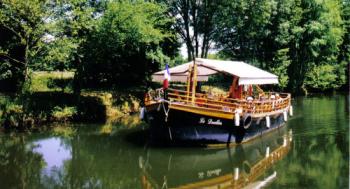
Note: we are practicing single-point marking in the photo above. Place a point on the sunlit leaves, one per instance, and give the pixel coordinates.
(22, 27)
(322, 77)
(280, 66)
(126, 45)
(257, 32)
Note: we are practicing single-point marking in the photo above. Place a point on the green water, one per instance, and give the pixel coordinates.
(311, 151)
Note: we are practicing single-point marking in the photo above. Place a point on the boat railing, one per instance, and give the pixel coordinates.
(270, 102)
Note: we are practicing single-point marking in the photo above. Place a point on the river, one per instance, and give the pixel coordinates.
(310, 151)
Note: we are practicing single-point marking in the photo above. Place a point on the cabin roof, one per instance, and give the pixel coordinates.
(246, 73)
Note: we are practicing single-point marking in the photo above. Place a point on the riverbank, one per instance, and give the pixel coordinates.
(39, 108)
(50, 99)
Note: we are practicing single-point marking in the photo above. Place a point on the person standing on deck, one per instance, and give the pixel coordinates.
(235, 89)
(166, 81)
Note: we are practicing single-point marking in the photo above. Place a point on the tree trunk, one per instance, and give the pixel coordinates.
(206, 49)
(195, 27)
(26, 62)
(203, 45)
(77, 77)
(187, 30)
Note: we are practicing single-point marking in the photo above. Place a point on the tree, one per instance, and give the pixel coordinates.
(206, 27)
(316, 40)
(344, 50)
(242, 26)
(126, 46)
(194, 24)
(280, 67)
(289, 38)
(276, 50)
(69, 25)
(23, 22)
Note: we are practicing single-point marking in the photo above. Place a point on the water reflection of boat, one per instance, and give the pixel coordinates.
(243, 113)
(245, 166)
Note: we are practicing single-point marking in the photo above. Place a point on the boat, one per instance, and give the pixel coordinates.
(189, 116)
(253, 165)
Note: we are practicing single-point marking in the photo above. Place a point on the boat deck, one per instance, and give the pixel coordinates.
(222, 106)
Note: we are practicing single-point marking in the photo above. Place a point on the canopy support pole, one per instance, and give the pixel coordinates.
(194, 82)
(189, 78)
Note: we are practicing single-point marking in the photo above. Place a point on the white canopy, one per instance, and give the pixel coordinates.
(246, 73)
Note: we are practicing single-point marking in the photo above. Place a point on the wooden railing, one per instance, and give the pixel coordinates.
(256, 105)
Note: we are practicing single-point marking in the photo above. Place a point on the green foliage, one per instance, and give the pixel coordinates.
(323, 77)
(242, 26)
(56, 55)
(42, 35)
(286, 37)
(11, 77)
(280, 65)
(92, 106)
(178, 60)
(69, 25)
(63, 114)
(22, 23)
(12, 116)
(344, 50)
(125, 48)
(316, 42)
(194, 22)
(120, 43)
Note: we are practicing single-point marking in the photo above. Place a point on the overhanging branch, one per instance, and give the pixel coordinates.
(10, 29)
(15, 60)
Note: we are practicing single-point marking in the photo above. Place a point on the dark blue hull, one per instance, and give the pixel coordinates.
(190, 128)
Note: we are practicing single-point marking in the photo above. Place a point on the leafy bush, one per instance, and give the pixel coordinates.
(321, 77)
(63, 114)
(12, 116)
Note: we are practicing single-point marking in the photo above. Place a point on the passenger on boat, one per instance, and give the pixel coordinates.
(235, 89)
(201, 100)
(165, 88)
(199, 87)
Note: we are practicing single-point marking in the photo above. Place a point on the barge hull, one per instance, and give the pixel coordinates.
(180, 126)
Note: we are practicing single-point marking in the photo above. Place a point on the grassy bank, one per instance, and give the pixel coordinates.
(50, 99)
(51, 81)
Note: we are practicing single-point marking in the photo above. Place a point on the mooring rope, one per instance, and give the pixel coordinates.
(166, 112)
